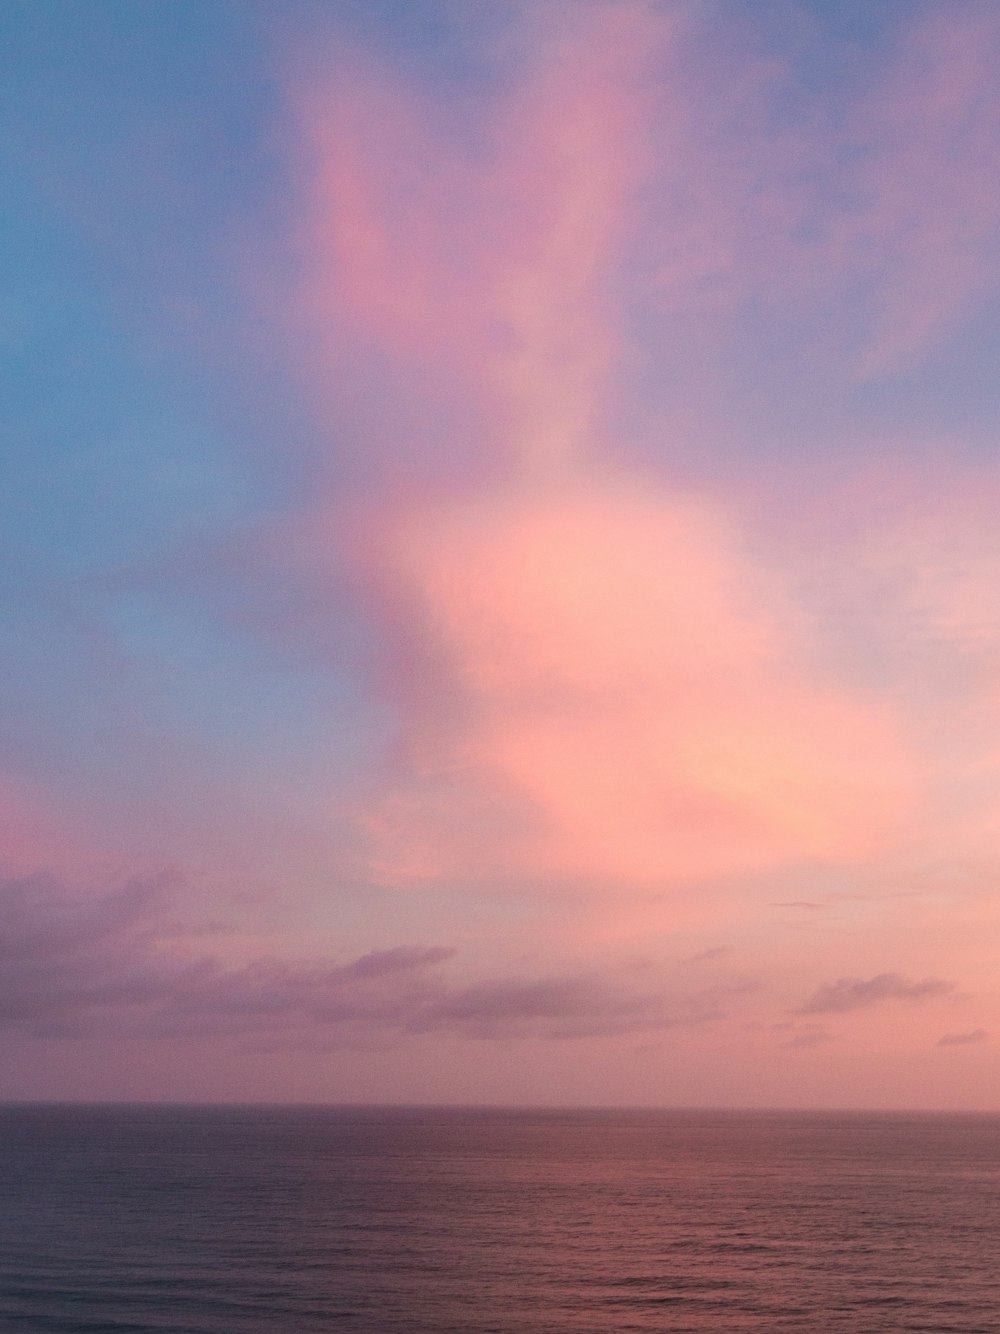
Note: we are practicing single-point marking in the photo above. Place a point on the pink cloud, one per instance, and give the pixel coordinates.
(910, 578)
(490, 268)
(580, 143)
(597, 683)
(385, 253)
(634, 694)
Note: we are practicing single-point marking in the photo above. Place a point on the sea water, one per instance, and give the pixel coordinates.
(416, 1221)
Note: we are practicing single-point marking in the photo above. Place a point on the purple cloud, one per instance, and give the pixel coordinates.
(39, 918)
(76, 966)
(962, 1039)
(855, 993)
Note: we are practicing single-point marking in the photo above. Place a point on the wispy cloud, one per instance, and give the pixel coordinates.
(854, 993)
(962, 1039)
(596, 683)
(73, 966)
(716, 952)
(931, 233)
(549, 583)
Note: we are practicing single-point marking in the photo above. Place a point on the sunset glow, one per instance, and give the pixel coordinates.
(501, 534)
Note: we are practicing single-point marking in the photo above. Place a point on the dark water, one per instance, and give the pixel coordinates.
(293, 1221)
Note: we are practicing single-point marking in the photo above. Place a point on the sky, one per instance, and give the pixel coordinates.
(498, 552)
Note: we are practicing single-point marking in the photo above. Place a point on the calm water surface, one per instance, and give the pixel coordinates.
(377, 1221)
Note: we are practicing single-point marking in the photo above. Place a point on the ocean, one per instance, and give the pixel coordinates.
(226, 1220)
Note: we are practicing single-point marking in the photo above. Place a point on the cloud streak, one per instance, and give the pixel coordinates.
(963, 1039)
(75, 967)
(854, 993)
(932, 233)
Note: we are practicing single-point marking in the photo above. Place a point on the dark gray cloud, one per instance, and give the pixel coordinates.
(962, 1039)
(854, 993)
(73, 965)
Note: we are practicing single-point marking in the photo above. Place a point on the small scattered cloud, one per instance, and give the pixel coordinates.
(962, 1039)
(855, 993)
